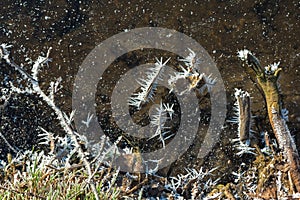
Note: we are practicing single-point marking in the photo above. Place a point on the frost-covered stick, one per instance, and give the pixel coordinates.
(243, 102)
(33, 80)
(268, 80)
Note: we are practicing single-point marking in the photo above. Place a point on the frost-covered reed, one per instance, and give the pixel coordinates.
(148, 84)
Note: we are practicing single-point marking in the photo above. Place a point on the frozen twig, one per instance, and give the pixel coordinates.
(61, 116)
(267, 78)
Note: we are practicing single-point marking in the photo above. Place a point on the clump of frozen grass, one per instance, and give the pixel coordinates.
(36, 175)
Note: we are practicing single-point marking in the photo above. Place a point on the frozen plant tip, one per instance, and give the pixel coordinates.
(267, 79)
(148, 85)
(243, 54)
(271, 69)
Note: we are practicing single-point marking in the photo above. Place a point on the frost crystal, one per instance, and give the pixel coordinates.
(191, 60)
(243, 54)
(271, 69)
(209, 83)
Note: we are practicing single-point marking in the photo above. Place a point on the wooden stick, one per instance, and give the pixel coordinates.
(267, 79)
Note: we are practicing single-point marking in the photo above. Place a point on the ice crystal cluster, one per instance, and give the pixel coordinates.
(190, 71)
(194, 184)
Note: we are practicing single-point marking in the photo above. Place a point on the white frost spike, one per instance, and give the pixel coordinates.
(169, 109)
(243, 54)
(54, 87)
(56, 84)
(178, 75)
(274, 66)
(45, 137)
(209, 83)
(191, 60)
(152, 171)
(88, 120)
(128, 150)
(148, 85)
(70, 118)
(285, 114)
(244, 149)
